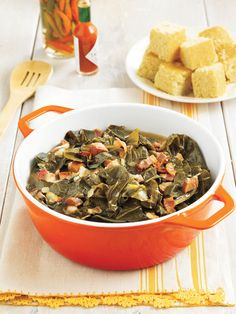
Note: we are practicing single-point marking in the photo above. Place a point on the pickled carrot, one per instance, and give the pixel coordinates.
(67, 39)
(65, 20)
(59, 46)
(68, 10)
(61, 4)
(74, 10)
(58, 24)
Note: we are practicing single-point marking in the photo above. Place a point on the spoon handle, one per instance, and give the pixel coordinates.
(8, 111)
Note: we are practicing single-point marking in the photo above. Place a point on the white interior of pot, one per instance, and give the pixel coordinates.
(146, 118)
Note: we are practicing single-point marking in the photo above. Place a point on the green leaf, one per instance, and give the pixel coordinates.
(131, 212)
(145, 142)
(72, 137)
(68, 188)
(117, 177)
(154, 195)
(179, 143)
(184, 197)
(73, 154)
(87, 136)
(117, 131)
(35, 183)
(98, 160)
(133, 138)
(135, 154)
(150, 174)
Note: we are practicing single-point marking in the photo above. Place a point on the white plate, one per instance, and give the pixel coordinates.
(133, 61)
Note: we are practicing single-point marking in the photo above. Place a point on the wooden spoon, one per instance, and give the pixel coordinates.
(25, 78)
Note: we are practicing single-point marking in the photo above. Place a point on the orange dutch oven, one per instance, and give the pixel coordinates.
(118, 246)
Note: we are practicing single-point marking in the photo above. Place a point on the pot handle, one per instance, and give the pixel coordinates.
(221, 195)
(23, 123)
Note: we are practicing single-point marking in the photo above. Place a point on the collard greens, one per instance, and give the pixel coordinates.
(119, 175)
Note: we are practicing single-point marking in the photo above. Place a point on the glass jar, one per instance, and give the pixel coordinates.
(59, 18)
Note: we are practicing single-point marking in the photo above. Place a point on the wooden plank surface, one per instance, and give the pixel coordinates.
(222, 12)
(118, 32)
(18, 20)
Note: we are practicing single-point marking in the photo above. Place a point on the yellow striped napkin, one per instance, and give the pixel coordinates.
(31, 273)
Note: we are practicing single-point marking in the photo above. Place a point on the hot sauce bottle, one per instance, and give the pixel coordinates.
(85, 41)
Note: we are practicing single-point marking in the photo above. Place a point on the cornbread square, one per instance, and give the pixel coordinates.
(218, 34)
(227, 55)
(173, 78)
(198, 52)
(165, 40)
(149, 66)
(209, 81)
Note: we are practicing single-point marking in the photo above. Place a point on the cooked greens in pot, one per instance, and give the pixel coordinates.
(118, 175)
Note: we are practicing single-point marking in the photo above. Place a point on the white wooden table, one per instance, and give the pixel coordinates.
(120, 23)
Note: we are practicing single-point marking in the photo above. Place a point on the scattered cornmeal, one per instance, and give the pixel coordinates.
(173, 78)
(165, 40)
(149, 66)
(198, 52)
(209, 81)
(227, 55)
(218, 34)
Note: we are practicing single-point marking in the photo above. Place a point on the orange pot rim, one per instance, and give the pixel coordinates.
(209, 195)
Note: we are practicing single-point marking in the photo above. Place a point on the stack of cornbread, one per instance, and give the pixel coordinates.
(178, 65)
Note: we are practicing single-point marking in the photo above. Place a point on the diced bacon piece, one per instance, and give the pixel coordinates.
(167, 176)
(50, 177)
(161, 169)
(98, 132)
(74, 166)
(85, 153)
(169, 204)
(65, 175)
(45, 175)
(146, 163)
(171, 168)
(190, 184)
(121, 146)
(41, 174)
(158, 147)
(97, 148)
(73, 201)
(162, 159)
